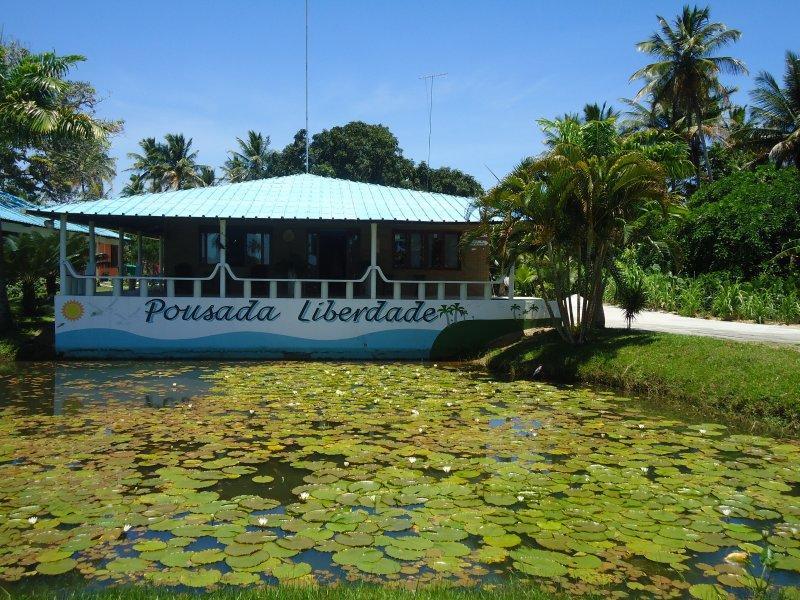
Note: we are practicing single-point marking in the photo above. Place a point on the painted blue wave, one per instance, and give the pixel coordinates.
(114, 343)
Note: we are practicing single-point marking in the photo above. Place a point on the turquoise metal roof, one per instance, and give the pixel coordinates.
(14, 210)
(291, 197)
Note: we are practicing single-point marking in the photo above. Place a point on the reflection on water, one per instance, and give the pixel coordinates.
(66, 388)
(195, 475)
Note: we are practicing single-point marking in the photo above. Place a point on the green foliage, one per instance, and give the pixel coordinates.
(167, 165)
(32, 257)
(630, 292)
(514, 591)
(252, 160)
(51, 141)
(570, 213)
(741, 222)
(755, 383)
(360, 152)
(719, 295)
(777, 112)
(684, 74)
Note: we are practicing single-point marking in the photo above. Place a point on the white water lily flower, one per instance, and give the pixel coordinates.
(189, 405)
(339, 393)
(346, 463)
(304, 495)
(420, 430)
(415, 412)
(520, 498)
(262, 521)
(446, 468)
(726, 511)
(251, 411)
(641, 426)
(32, 520)
(644, 469)
(412, 459)
(702, 431)
(449, 404)
(174, 384)
(736, 557)
(126, 528)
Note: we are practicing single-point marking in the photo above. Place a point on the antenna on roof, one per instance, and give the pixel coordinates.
(429, 79)
(307, 134)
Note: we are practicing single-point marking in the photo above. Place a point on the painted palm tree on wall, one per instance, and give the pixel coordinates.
(452, 312)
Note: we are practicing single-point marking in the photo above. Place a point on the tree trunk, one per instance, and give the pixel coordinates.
(6, 317)
(51, 285)
(703, 145)
(28, 297)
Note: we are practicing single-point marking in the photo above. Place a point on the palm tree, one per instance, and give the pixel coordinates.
(168, 165)
(777, 113)
(134, 186)
(686, 72)
(641, 117)
(33, 109)
(207, 176)
(253, 160)
(596, 112)
(33, 256)
(180, 168)
(32, 90)
(571, 211)
(147, 165)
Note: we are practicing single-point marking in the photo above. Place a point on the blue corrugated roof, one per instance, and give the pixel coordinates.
(13, 210)
(291, 197)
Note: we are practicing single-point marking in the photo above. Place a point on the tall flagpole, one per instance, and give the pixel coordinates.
(307, 133)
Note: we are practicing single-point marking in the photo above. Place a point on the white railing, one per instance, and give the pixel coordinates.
(142, 283)
(156, 285)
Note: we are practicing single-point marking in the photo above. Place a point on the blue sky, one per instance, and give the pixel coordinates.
(213, 70)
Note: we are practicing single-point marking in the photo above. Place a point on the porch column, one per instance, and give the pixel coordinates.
(91, 268)
(511, 274)
(139, 270)
(161, 255)
(373, 260)
(223, 242)
(62, 255)
(120, 258)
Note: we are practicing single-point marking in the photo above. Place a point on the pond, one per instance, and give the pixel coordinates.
(201, 475)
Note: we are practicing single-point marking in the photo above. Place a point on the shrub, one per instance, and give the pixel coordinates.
(740, 223)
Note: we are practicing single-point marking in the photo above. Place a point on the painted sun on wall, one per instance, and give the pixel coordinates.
(282, 327)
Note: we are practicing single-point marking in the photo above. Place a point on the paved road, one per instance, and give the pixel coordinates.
(748, 332)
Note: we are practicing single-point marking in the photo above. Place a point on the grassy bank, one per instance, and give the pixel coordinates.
(32, 339)
(339, 592)
(754, 383)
